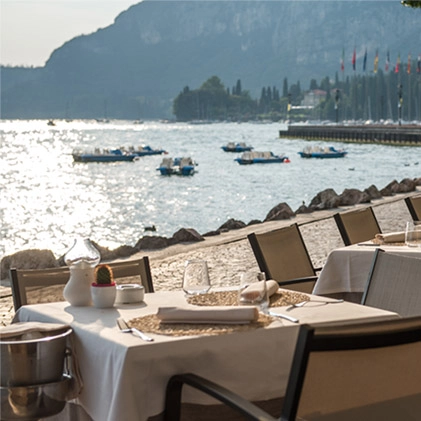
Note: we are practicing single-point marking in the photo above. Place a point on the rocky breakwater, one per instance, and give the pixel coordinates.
(325, 200)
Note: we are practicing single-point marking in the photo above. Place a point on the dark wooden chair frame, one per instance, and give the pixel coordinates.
(60, 275)
(263, 266)
(410, 205)
(310, 339)
(342, 229)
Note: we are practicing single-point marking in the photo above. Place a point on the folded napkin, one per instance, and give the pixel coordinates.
(255, 290)
(392, 237)
(214, 315)
(24, 331)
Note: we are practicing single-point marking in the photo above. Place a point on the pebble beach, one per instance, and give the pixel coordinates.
(229, 254)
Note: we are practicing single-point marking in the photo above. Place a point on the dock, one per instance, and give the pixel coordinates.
(408, 135)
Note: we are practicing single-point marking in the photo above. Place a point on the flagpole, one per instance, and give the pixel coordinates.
(409, 86)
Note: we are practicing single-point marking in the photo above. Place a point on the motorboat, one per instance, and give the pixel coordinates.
(320, 152)
(236, 147)
(106, 155)
(254, 157)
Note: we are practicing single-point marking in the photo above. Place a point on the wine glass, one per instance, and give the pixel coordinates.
(413, 234)
(196, 277)
(253, 290)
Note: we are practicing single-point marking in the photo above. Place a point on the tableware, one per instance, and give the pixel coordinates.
(413, 234)
(283, 316)
(196, 277)
(130, 293)
(125, 328)
(303, 303)
(253, 290)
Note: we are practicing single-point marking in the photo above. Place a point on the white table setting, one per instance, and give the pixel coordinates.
(346, 270)
(125, 376)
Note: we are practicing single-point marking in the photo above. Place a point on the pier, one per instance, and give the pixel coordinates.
(389, 135)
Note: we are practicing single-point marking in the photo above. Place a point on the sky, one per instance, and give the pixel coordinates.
(30, 30)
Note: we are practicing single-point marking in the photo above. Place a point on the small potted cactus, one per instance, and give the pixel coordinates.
(103, 290)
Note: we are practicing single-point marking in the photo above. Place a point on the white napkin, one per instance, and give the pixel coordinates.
(392, 237)
(214, 315)
(255, 290)
(24, 331)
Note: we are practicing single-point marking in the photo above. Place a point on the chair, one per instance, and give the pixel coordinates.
(394, 284)
(362, 371)
(357, 226)
(282, 255)
(414, 206)
(33, 286)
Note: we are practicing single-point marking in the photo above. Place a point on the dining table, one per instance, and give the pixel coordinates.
(346, 271)
(125, 377)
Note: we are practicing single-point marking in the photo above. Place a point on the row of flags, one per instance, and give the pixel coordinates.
(387, 64)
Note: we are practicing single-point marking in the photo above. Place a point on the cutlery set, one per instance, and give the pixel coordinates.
(125, 328)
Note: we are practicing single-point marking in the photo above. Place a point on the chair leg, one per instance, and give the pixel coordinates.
(173, 400)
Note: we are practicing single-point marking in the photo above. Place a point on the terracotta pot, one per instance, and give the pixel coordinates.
(103, 295)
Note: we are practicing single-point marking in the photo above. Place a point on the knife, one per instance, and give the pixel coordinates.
(284, 316)
(124, 327)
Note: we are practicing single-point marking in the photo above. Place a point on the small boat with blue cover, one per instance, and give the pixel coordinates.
(146, 151)
(236, 147)
(319, 152)
(177, 166)
(106, 155)
(255, 157)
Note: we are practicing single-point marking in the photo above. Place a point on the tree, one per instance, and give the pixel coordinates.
(285, 88)
(411, 3)
(238, 88)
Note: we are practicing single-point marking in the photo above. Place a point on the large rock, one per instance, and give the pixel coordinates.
(406, 185)
(186, 235)
(373, 192)
(280, 212)
(152, 243)
(351, 197)
(231, 224)
(326, 199)
(28, 259)
(388, 190)
(303, 209)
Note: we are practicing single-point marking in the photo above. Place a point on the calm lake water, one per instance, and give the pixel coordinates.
(47, 199)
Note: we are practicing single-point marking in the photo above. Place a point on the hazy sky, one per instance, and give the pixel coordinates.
(30, 30)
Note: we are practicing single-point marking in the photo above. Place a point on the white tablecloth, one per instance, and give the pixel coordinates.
(346, 269)
(125, 377)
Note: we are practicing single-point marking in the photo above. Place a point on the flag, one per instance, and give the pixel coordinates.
(354, 59)
(343, 60)
(365, 60)
(419, 64)
(408, 69)
(376, 61)
(398, 63)
(386, 66)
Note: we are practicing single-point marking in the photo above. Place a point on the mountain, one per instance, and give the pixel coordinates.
(136, 66)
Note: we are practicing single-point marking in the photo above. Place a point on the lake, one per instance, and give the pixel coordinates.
(47, 199)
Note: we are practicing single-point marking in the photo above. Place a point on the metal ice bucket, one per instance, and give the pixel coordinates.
(33, 361)
(34, 402)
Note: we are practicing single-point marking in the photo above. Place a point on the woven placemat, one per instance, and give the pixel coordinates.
(151, 324)
(230, 298)
(383, 243)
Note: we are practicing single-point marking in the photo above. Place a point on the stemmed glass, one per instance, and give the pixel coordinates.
(413, 234)
(196, 277)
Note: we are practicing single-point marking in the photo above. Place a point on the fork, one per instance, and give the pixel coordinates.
(125, 328)
(303, 303)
